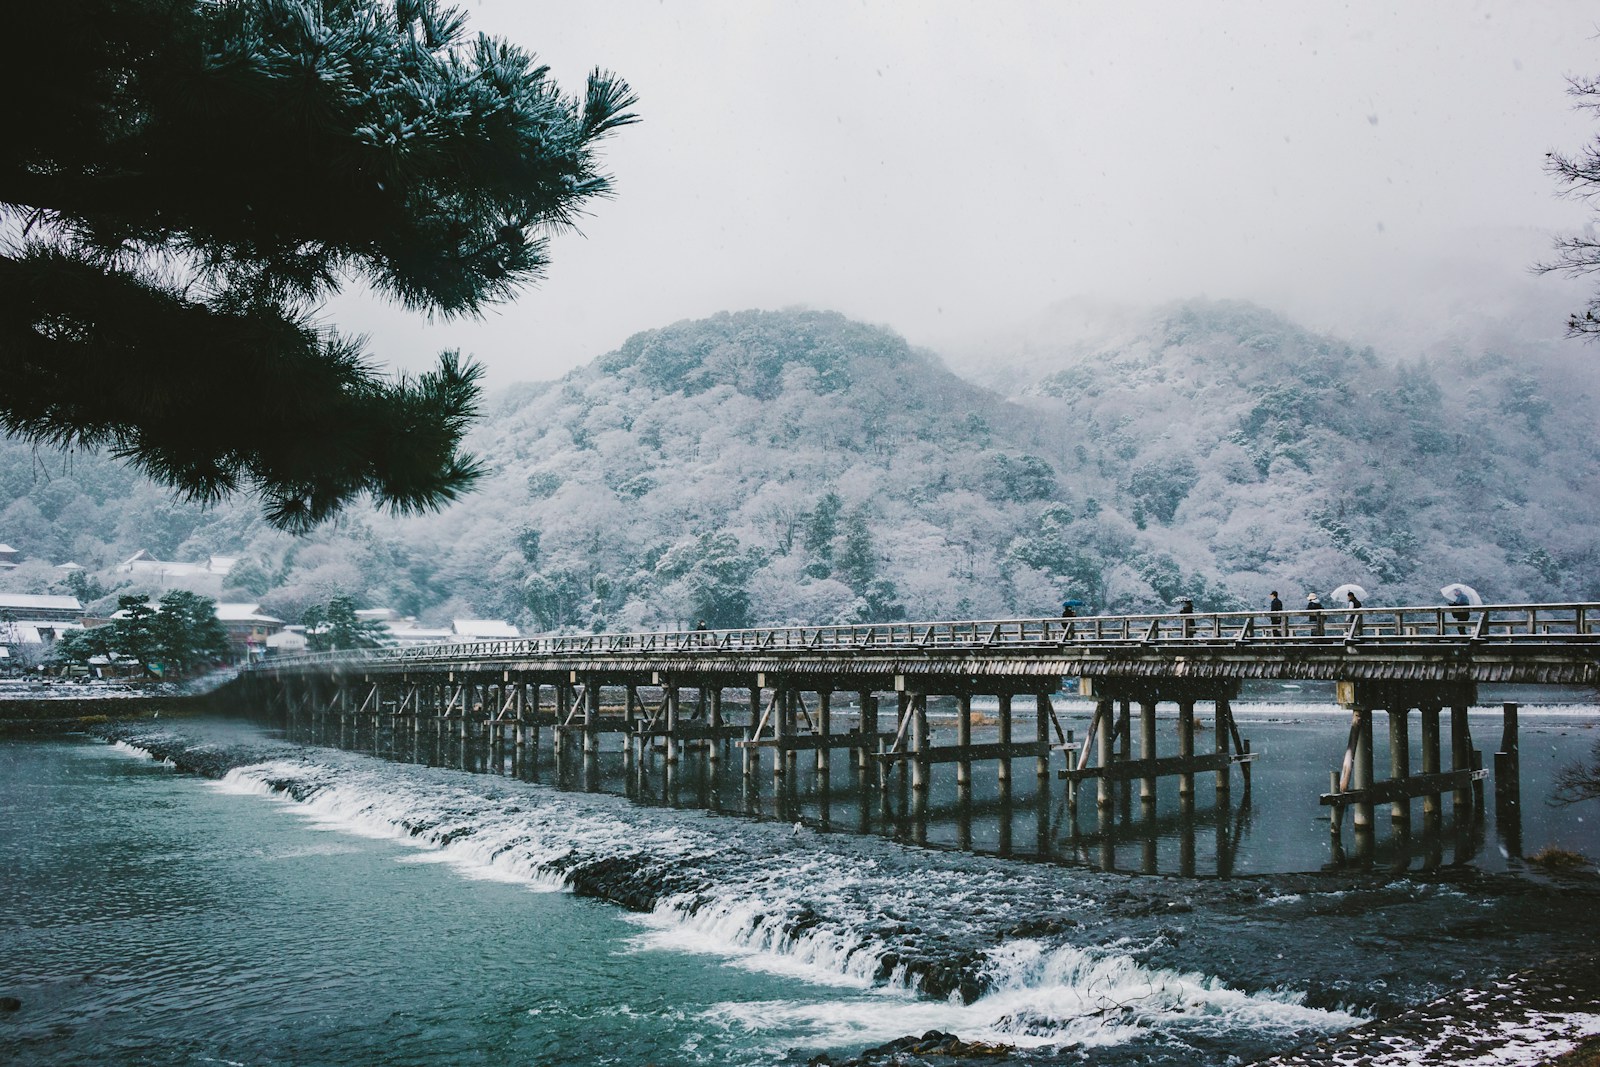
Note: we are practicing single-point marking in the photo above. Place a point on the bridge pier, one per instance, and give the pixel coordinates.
(1400, 761)
(1355, 785)
(1106, 754)
(1003, 765)
(1147, 749)
(1186, 750)
(964, 743)
(825, 730)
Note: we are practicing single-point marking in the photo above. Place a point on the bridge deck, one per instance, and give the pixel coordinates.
(1539, 643)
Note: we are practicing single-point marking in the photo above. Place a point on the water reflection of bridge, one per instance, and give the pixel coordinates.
(689, 700)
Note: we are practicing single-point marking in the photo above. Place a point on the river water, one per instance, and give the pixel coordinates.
(317, 906)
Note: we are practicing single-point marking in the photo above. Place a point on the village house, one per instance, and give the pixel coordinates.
(482, 630)
(31, 623)
(205, 578)
(248, 629)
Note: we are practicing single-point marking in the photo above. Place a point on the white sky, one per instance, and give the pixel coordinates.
(952, 169)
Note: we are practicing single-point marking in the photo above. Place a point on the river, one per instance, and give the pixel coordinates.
(317, 906)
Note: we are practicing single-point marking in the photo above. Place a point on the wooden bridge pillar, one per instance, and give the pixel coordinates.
(782, 730)
(752, 755)
(1432, 813)
(1186, 747)
(1004, 770)
(964, 742)
(714, 746)
(1460, 759)
(1400, 760)
(868, 730)
(920, 767)
(1147, 748)
(1043, 713)
(825, 728)
(1508, 783)
(674, 697)
(1125, 748)
(1107, 737)
(794, 704)
(1361, 766)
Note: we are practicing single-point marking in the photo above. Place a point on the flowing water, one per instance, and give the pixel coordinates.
(317, 906)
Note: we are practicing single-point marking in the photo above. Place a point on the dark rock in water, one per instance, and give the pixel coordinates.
(1042, 927)
(10, 1004)
(912, 1049)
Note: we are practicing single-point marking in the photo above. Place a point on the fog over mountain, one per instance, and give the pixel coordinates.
(798, 466)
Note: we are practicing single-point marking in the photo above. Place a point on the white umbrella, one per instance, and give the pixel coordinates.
(1349, 587)
(1457, 594)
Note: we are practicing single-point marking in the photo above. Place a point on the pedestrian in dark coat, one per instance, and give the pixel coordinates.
(1314, 613)
(1355, 620)
(1280, 625)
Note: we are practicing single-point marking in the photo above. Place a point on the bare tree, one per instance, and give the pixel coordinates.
(1578, 174)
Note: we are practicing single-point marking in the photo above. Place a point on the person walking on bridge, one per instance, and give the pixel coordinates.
(1280, 623)
(1314, 613)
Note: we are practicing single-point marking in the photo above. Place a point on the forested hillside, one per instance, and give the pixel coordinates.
(797, 466)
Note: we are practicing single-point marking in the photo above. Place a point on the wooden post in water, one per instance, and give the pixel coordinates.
(1041, 735)
(1220, 727)
(825, 727)
(1507, 784)
(533, 730)
(869, 730)
(440, 709)
(1186, 749)
(781, 712)
(791, 757)
(1400, 761)
(1004, 772)
(1105, 740)
(1432, 813)
(714, 749)
(1460, 760)
(1507, 761)
(752, 755)
(1147, 748)
(672, 696)
(1125, 750)
(1361, 770)
(964, 759)
(920, 767)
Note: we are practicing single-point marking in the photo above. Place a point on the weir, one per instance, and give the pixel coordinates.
(865, 691)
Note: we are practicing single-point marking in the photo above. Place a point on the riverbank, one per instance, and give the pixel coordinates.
(43, 707)
(1546, 1016)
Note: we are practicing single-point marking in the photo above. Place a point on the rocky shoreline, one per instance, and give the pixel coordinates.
(1548, 1015)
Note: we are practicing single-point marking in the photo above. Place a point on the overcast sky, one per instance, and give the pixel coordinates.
(951, 170)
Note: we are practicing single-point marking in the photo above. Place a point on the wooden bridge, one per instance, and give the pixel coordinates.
(775, 688)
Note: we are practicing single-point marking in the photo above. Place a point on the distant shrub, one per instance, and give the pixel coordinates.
(1558, 859)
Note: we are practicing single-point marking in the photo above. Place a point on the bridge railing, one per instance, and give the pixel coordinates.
(1428, 624)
